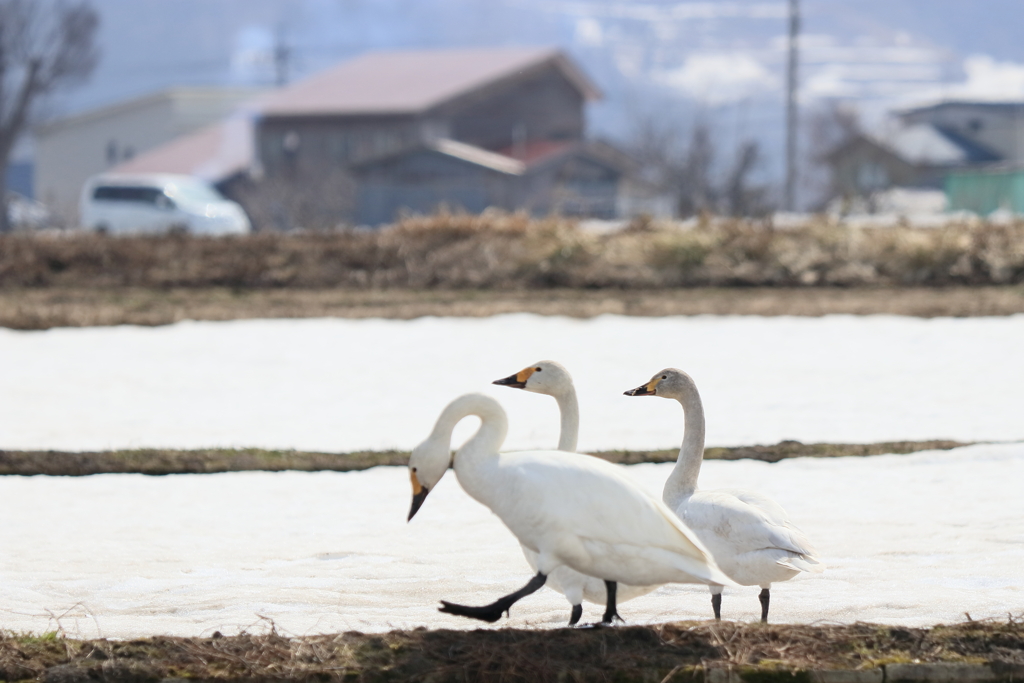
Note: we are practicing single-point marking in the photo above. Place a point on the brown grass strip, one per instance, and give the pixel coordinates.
(210, 461)
(61, 306)
(498, 251)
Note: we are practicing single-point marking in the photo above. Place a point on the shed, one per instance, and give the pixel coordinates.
(444, 172)
(569, 178)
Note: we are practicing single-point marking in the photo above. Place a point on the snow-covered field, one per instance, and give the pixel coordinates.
(340, 385)
(911, 540)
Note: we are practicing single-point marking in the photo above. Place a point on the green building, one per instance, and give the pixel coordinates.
(983, 191)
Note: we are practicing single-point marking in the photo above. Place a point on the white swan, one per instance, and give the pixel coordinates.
(749, 535)
(551, 378)
(572, 510)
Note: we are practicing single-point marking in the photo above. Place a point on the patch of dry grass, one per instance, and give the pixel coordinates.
(681, 651)
(463, 265)
(512, 251)
(207, 461)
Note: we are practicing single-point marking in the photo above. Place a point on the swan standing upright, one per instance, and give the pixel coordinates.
(551, 378)
(749, 535)
(572, 510)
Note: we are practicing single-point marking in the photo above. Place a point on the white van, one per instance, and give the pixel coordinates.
(158, 203)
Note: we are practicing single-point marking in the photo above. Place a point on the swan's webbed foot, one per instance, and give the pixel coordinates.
(492, 612)
(610, 613)
(489, 613)
(609, 619)
(596, 624)
(577, 612)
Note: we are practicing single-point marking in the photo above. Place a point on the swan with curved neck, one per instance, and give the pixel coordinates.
(572, 510)
(551, 378)
(750, 535)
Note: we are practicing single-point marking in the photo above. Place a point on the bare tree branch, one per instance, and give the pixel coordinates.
(697, 188)
(686, 169)
(45, 46)
(740, 198)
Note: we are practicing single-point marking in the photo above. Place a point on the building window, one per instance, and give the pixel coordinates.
(872, 176)
(290, 143)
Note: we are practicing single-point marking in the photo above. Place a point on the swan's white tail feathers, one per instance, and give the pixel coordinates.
(803, 563)
(710, 572)
(700, 562)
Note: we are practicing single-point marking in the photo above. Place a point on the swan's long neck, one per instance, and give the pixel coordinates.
(480, 453)
(569, 409)
(683, 481)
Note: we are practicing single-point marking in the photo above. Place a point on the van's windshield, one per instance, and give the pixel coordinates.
(194, 193)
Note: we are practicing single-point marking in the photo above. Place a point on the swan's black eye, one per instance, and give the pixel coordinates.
(664, 376)
(413, 469)
(538, 369)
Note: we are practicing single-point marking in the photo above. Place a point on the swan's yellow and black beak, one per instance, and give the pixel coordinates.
(419, 494)
(644, 389)
(518, 380)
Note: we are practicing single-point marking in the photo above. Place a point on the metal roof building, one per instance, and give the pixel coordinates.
(407, 130)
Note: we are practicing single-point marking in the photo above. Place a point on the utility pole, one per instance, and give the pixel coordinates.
(791, 88)
(282, 55)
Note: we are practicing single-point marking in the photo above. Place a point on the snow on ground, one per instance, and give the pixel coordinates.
(912, 540)
(340, 385)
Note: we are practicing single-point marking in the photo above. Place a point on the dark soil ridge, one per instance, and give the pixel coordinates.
(682, 651)
(210, 461)
(42, 308)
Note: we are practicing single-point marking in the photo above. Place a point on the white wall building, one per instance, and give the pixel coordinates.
(70, 150)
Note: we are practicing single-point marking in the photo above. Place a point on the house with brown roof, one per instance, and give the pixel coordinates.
(389, 132)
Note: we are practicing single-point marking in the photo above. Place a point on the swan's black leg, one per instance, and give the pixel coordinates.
(716, 604)
(764, 597)
(577, 612)
(492, 612)
(610, 612)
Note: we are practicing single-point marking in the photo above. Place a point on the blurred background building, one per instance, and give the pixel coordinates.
(653, 106)
(70, 150)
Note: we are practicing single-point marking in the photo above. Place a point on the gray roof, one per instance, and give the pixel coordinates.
(411, 82)
(1008, 106)
(924, 144)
